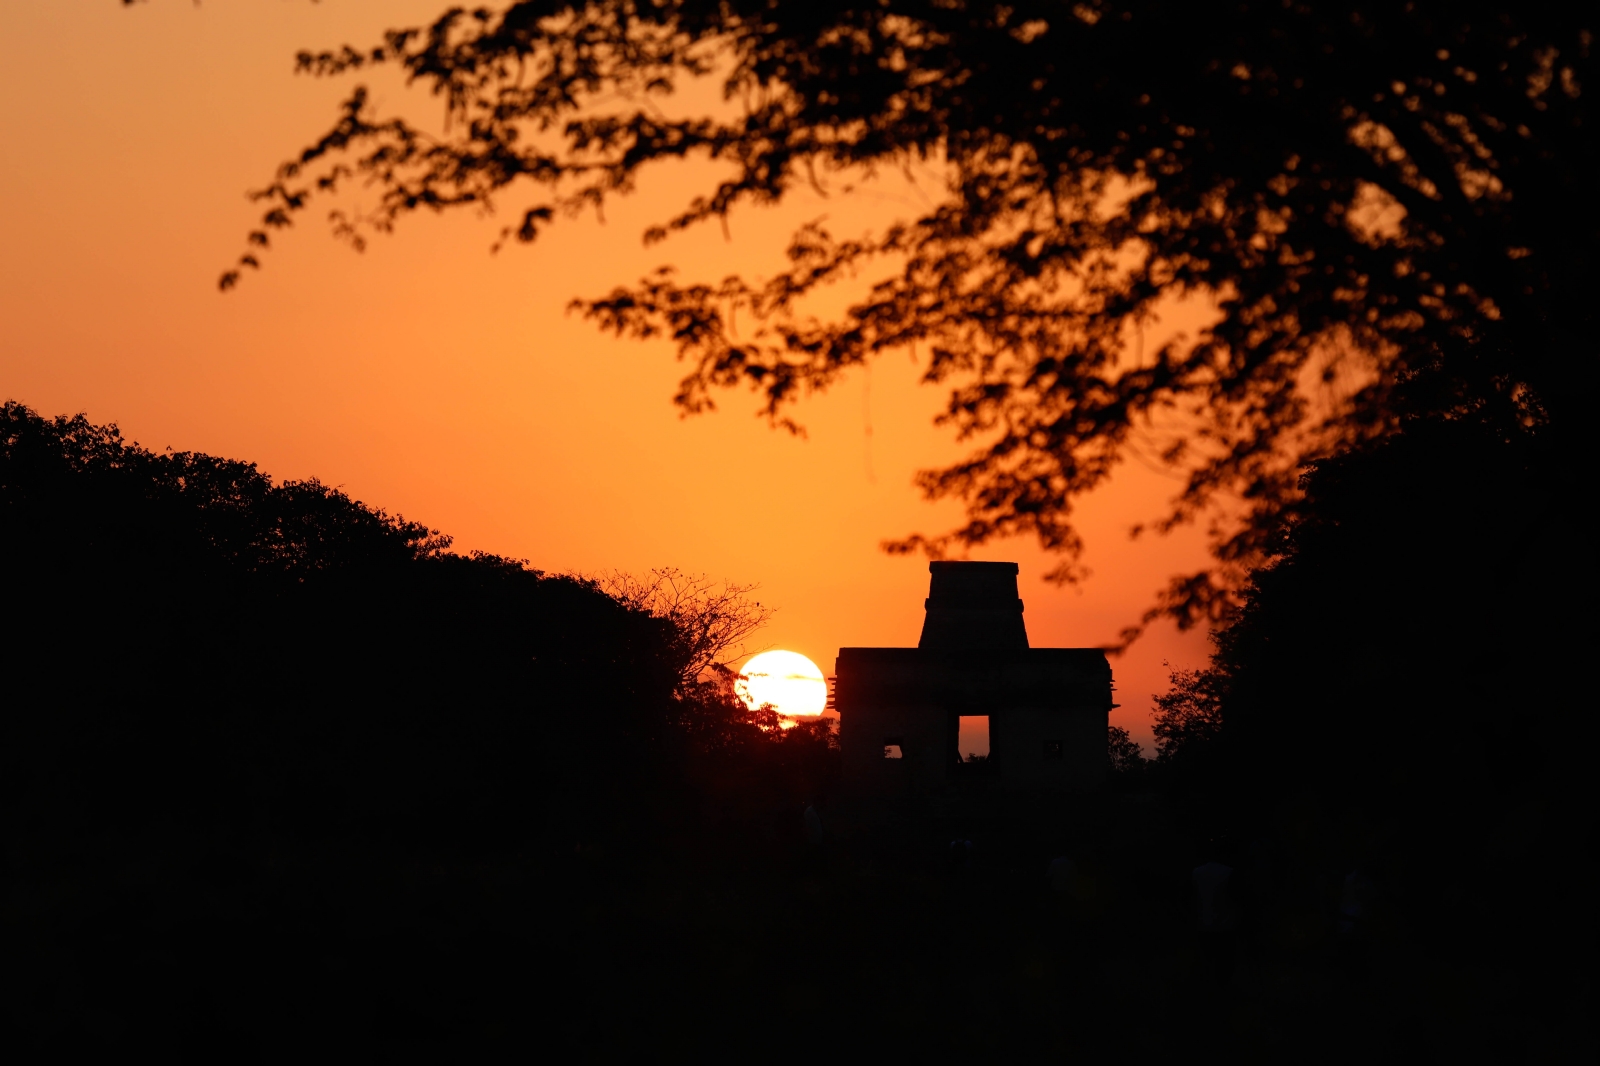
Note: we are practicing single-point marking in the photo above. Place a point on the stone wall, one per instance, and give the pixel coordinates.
(1046, 706)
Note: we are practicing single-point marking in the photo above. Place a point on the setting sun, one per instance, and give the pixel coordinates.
(790, 682)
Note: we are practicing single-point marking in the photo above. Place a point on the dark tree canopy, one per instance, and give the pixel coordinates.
(1188, 715)
(1408, 676)
(1388, 205)
(248, 727)
(1127, 758)
(178, 625)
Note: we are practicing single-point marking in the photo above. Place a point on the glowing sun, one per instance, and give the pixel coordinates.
(786, 679)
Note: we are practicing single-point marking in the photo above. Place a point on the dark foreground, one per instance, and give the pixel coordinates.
(752, 940)
(281, 777)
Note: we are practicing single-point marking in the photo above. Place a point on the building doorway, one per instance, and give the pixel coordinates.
(972, 738)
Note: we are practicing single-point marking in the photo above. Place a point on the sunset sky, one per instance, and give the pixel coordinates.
(436, 380)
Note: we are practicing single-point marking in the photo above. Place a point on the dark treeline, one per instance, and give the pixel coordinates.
(281, 771)
(240, 718)
(1399, 706)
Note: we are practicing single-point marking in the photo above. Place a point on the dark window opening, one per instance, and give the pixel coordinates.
(1052, 749)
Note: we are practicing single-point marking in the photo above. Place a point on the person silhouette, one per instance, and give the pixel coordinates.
(813, 822)
(1356, 898)
(1061, 874)
(1216, 914)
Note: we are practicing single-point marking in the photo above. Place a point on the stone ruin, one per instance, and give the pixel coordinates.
(902, 710)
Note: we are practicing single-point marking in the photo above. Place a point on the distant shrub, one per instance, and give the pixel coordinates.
(1189, 714)
(1127, 757)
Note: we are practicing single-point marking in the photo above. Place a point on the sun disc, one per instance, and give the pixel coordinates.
(790, 682)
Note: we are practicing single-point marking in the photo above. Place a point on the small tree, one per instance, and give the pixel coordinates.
(1126, 755)
(1189, 715)
(710, 620)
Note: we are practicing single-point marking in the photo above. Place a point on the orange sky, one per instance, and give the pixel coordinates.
(440, 382)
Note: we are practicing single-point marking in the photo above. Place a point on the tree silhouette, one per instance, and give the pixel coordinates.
(1385, 203)
(1432, 593)
(1399, 693)
(710, 620)
(250, 726)
(187, 628)
(1126, 755)
(1188, 714)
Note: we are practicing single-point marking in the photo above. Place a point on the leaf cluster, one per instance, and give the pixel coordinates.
(1127, 758)
(1189, 714)
(1385, 205)
(709, 621)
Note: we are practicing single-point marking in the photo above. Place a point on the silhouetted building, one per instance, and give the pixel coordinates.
(903, 712)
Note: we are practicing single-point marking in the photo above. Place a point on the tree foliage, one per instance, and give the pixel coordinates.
(1189, 713)
(1385, 204)
(742, 759)
(179, 625)
(1126, 755)
(1403, 688)
(1434, 592)
(248, 727)
(710, 621)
